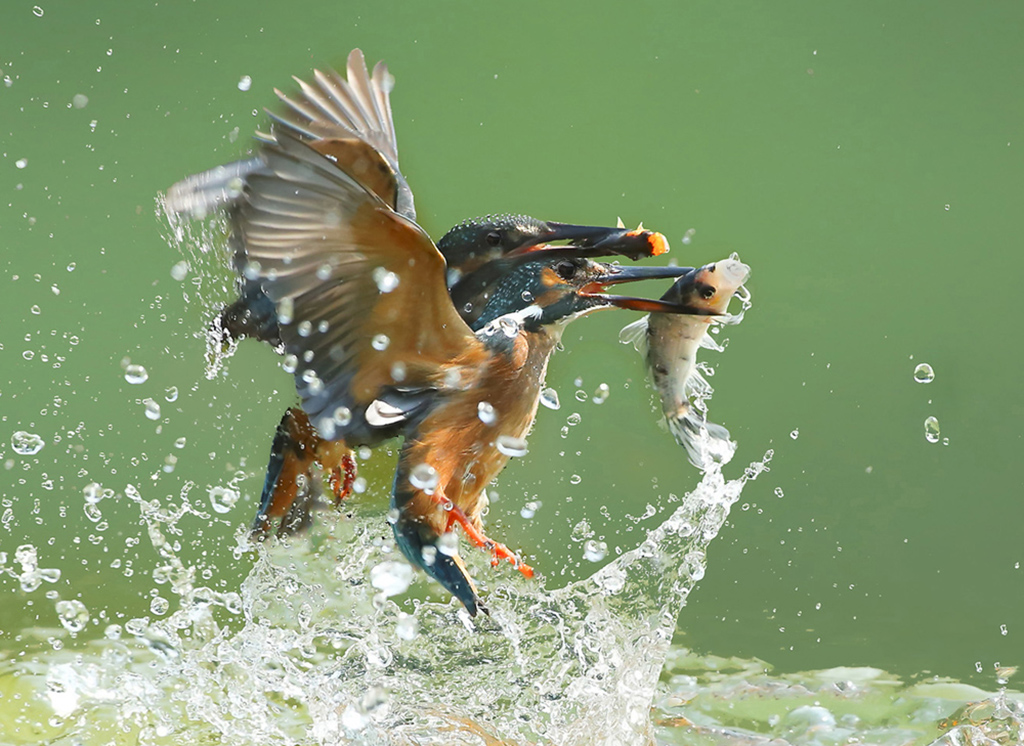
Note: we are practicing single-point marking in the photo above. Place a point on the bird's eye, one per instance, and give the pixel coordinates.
(707, 292)
(493, 238)
(565, 270)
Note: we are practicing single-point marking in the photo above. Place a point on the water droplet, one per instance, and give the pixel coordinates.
(429, 555)
(385, 279)
(380, 342)
(407, 627)
(779, 492)
(511, 446)
(601, 395)
(180, 442)
(80, 101)
(222, 499)
(285, 307)
(549, 398)
(574, 419)
(92, 512)
(527, 296)
(179, 271)
(485, 411)
(244, 83)
(529, 510)
(931, 430)
(448, 543)
(290, 363)
(364, 453)
(26, 444)
(575, 479)
(352, 719)
(135, 374)
(398, 371)
(37, 11)
(73, 615)
(795, 434)
(946, 208)
(35, 310)
(343, 416)
(305, 328)
(152, 409)
(359, 485)
(923, 373)
(71, 267)
(21, 162)
(159, 605)
(424, 477)
(595, 551)
(1002, 630)
(391, 578)
(581, 395)
(171, 393)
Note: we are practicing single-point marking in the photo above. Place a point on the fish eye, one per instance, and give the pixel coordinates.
(707, 292)
(493, 238)
(565, 270)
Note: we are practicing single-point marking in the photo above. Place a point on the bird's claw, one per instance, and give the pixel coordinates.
(498, 550)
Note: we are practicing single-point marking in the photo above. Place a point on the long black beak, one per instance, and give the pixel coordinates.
(591, 241)
(618, 274)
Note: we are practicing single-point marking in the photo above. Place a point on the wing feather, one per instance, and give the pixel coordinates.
(320, 242)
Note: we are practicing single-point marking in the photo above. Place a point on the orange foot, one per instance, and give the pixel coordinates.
(499, 551)
(336, 458)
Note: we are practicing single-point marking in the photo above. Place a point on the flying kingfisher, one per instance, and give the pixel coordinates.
(387, 337)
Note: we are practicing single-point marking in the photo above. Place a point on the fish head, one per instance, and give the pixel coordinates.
(709, 289)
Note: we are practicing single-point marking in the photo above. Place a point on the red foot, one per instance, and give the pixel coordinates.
(498, 551)
(343, 476)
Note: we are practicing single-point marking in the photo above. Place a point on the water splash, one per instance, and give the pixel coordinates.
(313, 650)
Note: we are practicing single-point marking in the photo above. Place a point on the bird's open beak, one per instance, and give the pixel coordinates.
(591, 241)
(618, 274)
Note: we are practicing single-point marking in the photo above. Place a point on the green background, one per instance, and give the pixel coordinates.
(864, 159)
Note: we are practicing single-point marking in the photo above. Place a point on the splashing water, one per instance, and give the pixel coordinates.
(311, 650)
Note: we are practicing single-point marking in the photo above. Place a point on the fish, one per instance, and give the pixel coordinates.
(669, 344)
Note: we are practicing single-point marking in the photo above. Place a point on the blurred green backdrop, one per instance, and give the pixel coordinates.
(864, 159)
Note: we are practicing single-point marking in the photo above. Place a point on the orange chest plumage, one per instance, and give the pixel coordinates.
(467, 439)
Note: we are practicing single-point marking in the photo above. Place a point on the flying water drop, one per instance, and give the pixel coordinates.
(923, 373)
(549, 398)
(26, 444)
(511, 446)
(135, 374)
(595, 551)
(386, 280)
(931, 430)
(73, 615)
(152, 409)
(485, 411)
(424, 477)
(391, 578)
(222, 499)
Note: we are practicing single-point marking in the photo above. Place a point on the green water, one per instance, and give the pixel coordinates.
(863, 159)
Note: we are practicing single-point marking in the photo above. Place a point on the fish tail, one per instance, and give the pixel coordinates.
(705, 442)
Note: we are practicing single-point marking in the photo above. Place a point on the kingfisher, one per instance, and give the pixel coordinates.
(385, 336)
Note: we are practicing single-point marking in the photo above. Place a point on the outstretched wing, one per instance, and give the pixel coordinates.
(360, 290)
(349, 120)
